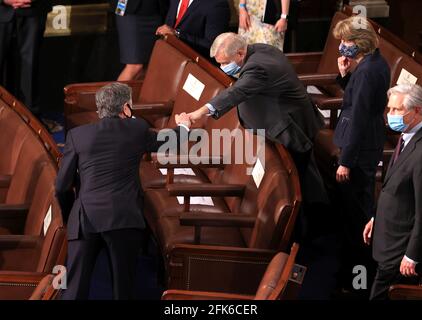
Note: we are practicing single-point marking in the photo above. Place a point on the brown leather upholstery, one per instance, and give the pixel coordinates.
(261, 223)
(158, 86)
(405, 292)
(35, 253)
(276, 283)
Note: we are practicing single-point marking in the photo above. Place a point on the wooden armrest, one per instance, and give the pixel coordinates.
(405, 292)
(156, 108)
(328, 103)
(19, 242)
(5, 180)
(202, 295)
(218, 220)
(206, 189)
(317, 79)
(185, 161)
(211, 220)
(21, 277)
(307, 62)
(13, 210)
(94, 86)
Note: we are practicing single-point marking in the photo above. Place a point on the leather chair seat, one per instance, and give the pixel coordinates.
(151, 177)
(159, 204)
(170, 232)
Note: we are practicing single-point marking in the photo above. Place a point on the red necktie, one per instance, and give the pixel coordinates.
(183, 8)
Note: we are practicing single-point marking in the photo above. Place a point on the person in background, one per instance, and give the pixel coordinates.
(22, 25)
(360, 135)
(197, 22)
(397, 228)
(264, 21)
(136, 22)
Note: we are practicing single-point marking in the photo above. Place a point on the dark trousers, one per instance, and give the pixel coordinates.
(20, 41)
(122, 247)
(357, 206)
(387, 276)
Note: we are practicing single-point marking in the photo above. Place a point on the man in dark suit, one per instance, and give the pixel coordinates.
(22, 24)
(397, 233)
(197, 22)
(269, 95)
(101, 161)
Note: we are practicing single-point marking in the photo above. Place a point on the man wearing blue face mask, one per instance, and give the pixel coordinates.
(268, 95)
(397, 228)
(360, 135)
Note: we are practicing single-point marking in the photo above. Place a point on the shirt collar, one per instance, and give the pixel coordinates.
(409, 135)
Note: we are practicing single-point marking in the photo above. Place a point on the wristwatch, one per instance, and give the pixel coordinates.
(177, 33)
(284, 16)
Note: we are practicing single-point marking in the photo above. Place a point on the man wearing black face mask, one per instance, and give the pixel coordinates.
(101, 160)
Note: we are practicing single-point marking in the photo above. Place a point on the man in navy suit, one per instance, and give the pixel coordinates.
(22, 24)
(101, 160)
(197, 22)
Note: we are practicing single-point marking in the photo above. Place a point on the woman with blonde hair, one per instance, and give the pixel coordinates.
(360, 130)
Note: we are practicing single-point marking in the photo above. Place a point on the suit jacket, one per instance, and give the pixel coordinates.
(202, 23)
(398, 221)
(360, 132)
(145, 7)
(38, 7)
(269, 95)
(102, 159)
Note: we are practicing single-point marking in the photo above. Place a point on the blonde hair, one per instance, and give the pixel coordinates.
(359, 30)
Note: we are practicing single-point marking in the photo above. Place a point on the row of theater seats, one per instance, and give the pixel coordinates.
(320, 70)
(226, 246)
(32, 234)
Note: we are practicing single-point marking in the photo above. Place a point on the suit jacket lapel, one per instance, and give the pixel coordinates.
(407, 151)
(191, 9)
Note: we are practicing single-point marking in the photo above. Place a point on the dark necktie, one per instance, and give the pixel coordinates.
(399, 149)
(183, 8)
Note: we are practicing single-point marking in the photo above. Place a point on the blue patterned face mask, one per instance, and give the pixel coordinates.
(231, 69)
(349, 52)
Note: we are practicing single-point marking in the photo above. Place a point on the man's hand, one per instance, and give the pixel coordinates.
(164, 30)
(281, 25)
(198, 114)
(16, 4)
(183, 118)
(407, 268)
(244, 19)
(367, 232)
(344, 65)
(343, 174)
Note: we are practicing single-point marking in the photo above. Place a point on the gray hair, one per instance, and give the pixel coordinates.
(111, 98)
(229, 43)
(412, 94)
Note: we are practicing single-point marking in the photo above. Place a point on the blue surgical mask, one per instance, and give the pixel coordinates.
(396, 122)
(231, 69)
(349, 52)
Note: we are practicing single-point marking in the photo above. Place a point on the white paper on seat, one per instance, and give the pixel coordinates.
(258, 173)
(205, 201)
(178, 171)
(406, 77)
(47, 220)
(313, 90)
(194, 87)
